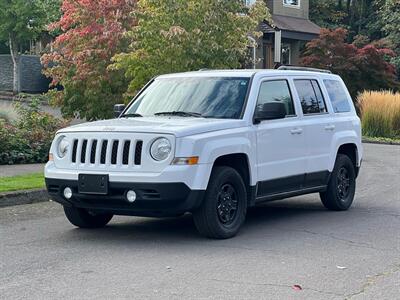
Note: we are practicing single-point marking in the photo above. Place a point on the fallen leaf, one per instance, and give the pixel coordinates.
(297, 287)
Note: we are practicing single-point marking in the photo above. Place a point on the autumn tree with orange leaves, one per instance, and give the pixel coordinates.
(91, 33)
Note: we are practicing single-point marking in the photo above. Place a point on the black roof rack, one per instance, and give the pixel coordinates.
(293, 68)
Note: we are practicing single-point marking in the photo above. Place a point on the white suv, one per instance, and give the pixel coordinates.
(212, 143)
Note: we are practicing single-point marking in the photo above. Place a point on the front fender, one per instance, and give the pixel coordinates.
(210, 146)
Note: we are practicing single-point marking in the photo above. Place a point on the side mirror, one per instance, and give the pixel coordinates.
(270, 111)
(118, 109)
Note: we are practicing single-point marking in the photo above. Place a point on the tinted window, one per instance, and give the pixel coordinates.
(320, 97)
(214, 97)
(312, 101)
(276, 91)
(338, 96)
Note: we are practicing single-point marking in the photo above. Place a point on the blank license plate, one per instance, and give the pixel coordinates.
(93, 184)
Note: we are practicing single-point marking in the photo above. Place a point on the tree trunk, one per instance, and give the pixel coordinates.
(15, 60)
(361, 21)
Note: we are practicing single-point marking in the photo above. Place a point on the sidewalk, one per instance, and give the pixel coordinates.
(14, 170)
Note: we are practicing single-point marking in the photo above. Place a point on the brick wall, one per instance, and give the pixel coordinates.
(31, 77)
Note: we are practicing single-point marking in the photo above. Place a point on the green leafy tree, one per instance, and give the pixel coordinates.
(183, 35)
(390, 22)
(21, 21)
(359, 17)
(328, 13)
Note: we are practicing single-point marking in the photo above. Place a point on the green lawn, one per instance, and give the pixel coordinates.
(381, 139)
(22, 182)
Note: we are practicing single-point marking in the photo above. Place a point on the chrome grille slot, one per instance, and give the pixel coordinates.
(103, 152)
(83, 151)
(138, 152)
(114, 152)
(125, 159)
(74, 150)
(93, 152)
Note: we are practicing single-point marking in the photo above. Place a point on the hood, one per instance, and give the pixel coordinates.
(178, 126)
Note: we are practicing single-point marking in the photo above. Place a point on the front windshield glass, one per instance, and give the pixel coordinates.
(212, 97)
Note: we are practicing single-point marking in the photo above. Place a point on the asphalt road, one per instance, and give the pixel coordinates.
(330, 255)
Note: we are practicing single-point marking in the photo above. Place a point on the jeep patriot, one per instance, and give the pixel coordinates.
(211, 143)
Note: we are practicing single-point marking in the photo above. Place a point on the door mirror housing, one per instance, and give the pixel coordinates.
(270, 111)
(118, 109)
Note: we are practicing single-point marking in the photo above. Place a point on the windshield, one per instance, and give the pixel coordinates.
(209, 97)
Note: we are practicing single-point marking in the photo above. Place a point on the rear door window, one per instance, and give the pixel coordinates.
(337, 95)
(311, 98)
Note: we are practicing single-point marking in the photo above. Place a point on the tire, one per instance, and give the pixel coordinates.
(83, 219)
(342, 185)
(224, 206)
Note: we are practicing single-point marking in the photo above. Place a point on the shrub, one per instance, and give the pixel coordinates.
(380, 113)
(28, 139)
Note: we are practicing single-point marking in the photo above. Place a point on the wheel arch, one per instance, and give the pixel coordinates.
(241, 163)
(351, 150)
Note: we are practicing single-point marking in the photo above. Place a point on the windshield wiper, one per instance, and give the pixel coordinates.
(179, 113)
(130, 115)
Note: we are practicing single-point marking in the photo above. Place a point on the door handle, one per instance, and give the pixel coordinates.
(296, 131)
(330, 127)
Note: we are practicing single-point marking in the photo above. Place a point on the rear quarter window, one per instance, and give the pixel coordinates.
(337, 95)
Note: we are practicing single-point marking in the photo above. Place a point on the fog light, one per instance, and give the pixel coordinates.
(131, 196)
(67, 193)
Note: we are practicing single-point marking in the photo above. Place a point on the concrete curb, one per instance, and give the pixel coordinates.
(23, 197)
(365, 141)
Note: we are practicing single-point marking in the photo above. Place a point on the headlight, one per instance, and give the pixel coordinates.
(63, 146)
(160, 149)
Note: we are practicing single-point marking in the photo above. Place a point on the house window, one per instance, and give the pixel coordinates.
(292, 3)
(249, 2)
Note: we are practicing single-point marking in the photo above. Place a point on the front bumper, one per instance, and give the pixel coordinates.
(153, 199)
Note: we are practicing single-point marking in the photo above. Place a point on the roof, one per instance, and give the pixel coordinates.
(213, 73)
(287, 23)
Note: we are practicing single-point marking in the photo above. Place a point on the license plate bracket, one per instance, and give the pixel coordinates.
(93, 184)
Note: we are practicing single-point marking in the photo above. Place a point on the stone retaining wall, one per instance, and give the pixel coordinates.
(31, 78)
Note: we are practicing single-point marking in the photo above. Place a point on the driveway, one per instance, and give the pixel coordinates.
(292, 249)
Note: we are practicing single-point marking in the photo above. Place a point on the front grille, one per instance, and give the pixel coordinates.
(103, 152)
